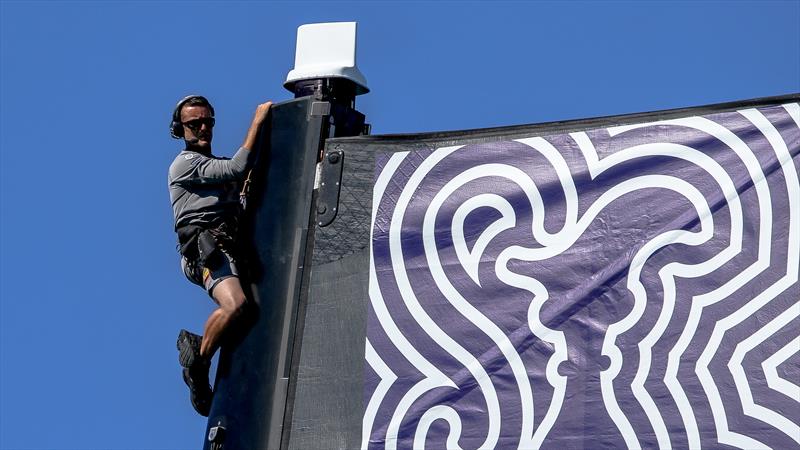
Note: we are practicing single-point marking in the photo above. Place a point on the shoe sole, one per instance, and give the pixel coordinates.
(188, 348)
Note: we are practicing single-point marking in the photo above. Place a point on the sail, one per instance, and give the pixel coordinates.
(622, 281)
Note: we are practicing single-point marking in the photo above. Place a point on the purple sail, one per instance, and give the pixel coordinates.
(633, 286)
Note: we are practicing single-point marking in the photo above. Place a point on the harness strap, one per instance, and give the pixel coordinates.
(198, 243)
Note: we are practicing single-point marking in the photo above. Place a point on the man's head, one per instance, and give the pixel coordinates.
(193, 120)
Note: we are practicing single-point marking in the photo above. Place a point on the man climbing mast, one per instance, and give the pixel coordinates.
(204, 192)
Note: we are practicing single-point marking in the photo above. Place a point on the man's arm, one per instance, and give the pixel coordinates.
(258, 119)
(195, 168)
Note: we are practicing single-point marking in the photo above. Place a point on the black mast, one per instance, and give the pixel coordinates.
(252, 382)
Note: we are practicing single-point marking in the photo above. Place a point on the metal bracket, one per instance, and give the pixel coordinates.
(320, 109)
(329, 187)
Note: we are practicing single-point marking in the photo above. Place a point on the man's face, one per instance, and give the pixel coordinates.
(198, 126)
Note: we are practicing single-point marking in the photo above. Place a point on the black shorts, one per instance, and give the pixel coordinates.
(220, 266)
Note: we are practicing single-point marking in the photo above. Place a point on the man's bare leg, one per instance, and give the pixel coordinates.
(228, 294)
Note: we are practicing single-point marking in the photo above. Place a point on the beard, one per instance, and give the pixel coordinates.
(200, 144)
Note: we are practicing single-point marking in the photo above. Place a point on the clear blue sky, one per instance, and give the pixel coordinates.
(91, 292)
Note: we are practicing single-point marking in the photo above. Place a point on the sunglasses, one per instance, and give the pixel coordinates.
(196, 124)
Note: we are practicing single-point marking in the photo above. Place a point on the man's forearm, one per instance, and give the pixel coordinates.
(252, 135)
(258, 119)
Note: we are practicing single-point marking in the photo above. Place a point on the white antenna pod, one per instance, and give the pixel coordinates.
(324, 51)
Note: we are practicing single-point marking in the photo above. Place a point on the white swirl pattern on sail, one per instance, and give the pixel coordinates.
(632, 286)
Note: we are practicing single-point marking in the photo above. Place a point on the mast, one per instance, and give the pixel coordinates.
(254, 375)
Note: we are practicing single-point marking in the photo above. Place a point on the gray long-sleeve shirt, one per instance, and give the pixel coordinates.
(204, 188)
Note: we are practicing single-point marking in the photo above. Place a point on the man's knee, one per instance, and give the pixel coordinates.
(230, 297)
(237, 304)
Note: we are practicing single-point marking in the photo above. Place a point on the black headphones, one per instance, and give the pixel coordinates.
(176, 127)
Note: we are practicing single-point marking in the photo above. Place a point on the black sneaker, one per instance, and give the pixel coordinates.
(199, 390)
(195, 371)
(188, 348)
